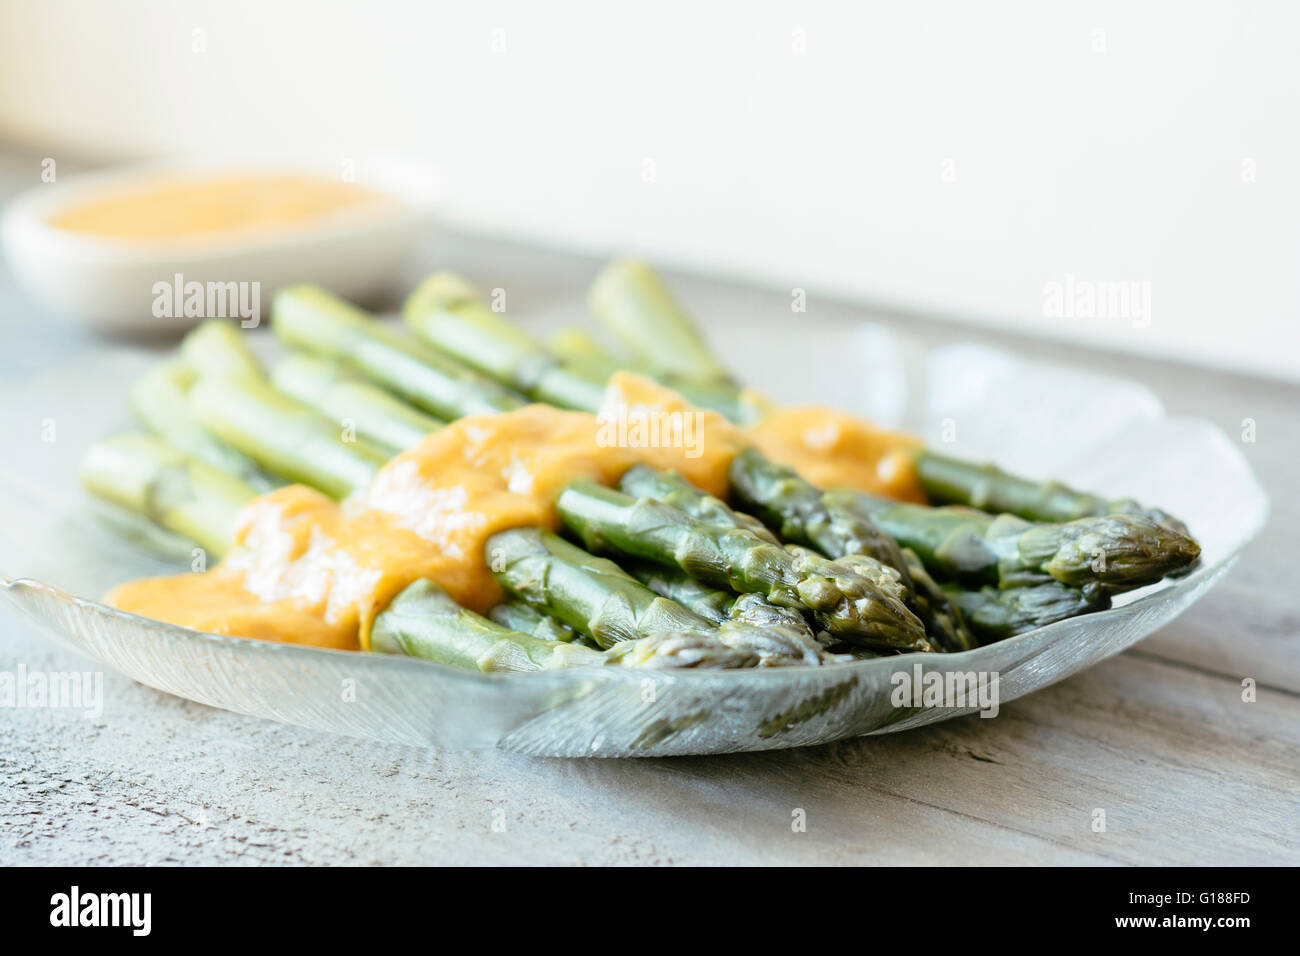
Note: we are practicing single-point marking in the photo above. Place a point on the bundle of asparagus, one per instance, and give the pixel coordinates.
(666, 575)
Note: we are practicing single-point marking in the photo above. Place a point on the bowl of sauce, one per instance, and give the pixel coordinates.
(154, 248)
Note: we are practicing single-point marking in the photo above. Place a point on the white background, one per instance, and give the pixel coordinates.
(944, 158)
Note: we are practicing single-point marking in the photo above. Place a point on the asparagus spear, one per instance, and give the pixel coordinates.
(684, 649)
(519, 616)
(424, 622)
(592, 595)
(283, 435)
(844, 603)
(1118, 552)
(448, 313)
(989, 488)
(922, 596)
(802, 513)
(379, 417)
(642, 481)
(995, 613)
(733, 644)
(215, 347)
(676, 585)
(572, 343)
(943, 618)
(308, 317)
(182, 494)
(603, 602)
(757, 611)
(634, 304)
(632, 300)
(160, 401)
(714, 605)
(672, 489)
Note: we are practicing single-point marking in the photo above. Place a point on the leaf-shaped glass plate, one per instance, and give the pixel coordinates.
(1106, 435)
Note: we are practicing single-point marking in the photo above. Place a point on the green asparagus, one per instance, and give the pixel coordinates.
(603, 602)
(996, 613)
(423, 621)
(676, 585)
(216, 347)
(633, 302)
(844, 603)
(448, 313)
(285, 436)
(310, 318)
(572, 343)
(592, 595)
(160, 401)
(179, 493)
(637, 308)
(378, 416)
(642, 481)
(971, 547)
(711, 604)
(802, 513)
(989, 488)
(1117, 552)
(520, 616)
(942, 616)
(942, 621)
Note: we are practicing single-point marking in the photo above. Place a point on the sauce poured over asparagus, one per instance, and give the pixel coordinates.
(305, 568)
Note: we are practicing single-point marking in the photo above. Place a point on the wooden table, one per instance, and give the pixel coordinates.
(1158, 737)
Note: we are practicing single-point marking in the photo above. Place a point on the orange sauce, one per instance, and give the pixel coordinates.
(306, 569)
(178, 207)
(834, 450)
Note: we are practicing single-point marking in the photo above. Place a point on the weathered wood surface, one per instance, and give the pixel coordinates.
(1159, 738)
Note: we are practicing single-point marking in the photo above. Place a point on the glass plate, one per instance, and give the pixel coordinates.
(1103, 434)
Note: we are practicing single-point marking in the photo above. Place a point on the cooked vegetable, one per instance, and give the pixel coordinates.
(642, 481)
(448, 313)
(284, 435)
(603, 602)
(942, 621)
(996, 614)
(842, 602)
(637, 308)
(592, 595)
(1117, 552)
(310, 318)
(989, 488)
(378, 416)
(182, 494)
(780, 574)
(521, 616)
(160, 401)
(802, 513)
(712, 604)
(424, 622)
(216, 347)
